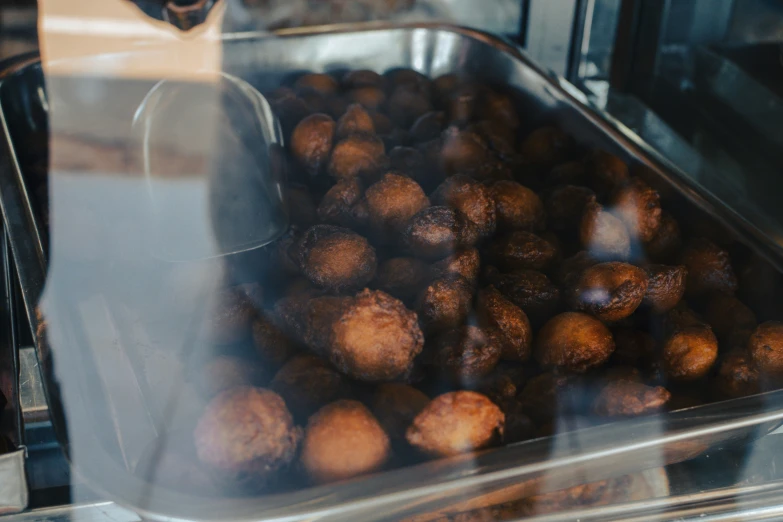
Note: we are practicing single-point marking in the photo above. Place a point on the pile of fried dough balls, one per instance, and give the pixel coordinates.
(457, 277)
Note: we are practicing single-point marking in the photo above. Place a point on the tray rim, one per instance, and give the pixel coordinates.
(596, 116)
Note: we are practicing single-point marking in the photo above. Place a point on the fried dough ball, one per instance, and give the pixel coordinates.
(411, 79)
(501, 384)
(337, 205)
(392, 202)
(518, 207)
(690, 349)
(246, 435)
(428, 127)
(709, 268)
(445, 304)
(406, 105)
(225, 372)
(341, 441)
(462, 151)
(320, 313)
(574, 342)
(444, 85)
(375, 338)
(306, 383)
(402, 277)
(602, 234)
(519, 426)
(530, 290)
(625, 398)
(569, 173)
(565, 206)
(371, 98)
(272, 344)
(494, 169)
(382, 123)
(506, 325)
(737, 376)
(634, 348)
(413, 163)
(546, 147)
(395, 405)
(437, 232)
(471, 198)
(682, 316)
(499, 107)
(465, 263)
(539, 397)
(356, 120)
(665, 245)
(363, 78)
(229, 315)
(455, 423)
(461, 103)
(357, 155)
(665, 287)
(291, 110)
(605, 171)
(729, 318)
(571, 269)
(639, 207)
(336, 258)
(499, 137)
(766, 348)
(312, 141)
(610, 291)
(319, 82)
(465, 355)
(521, 250)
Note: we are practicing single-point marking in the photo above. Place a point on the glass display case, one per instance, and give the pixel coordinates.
(392, 260)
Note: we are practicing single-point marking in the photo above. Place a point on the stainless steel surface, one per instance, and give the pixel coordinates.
(87, 512)
(13, 482)
(511, 472)
(13, 485)
(31, 391)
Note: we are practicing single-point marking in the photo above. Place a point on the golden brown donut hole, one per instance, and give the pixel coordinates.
(472, 199)
(227, 435)
(392, 202)
(766, 348)
(336, 258)
(343, 440)
(518, 207)
(445, 304)
(709, 268)
(603, 235)
(665, 287)
(356, 120)
(574, 342)
(357, 155)
(456, 422)
(639, 207)
(506, 324)
(610, 291)
(312, 140)
(466, 354)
